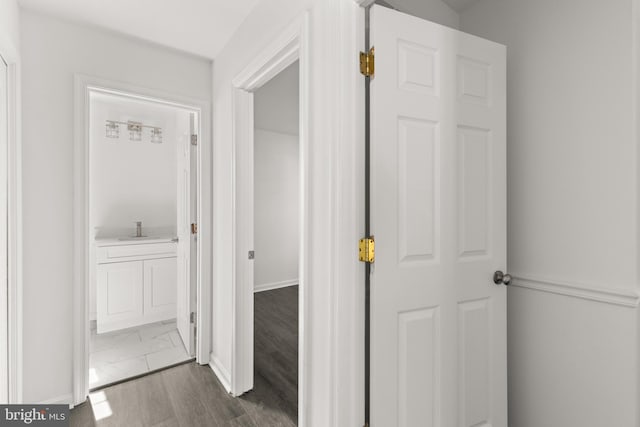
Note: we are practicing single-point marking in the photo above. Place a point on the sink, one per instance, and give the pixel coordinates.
(133, 238)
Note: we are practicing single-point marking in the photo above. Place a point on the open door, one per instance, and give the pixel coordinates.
(187, 234)
(438, 214)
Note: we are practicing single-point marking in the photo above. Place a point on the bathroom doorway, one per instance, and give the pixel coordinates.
(142, 231)
(152, 268)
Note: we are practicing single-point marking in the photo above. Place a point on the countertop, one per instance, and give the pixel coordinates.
(126, 240)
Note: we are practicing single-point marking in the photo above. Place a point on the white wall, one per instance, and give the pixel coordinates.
(132, 181)
(53, 50)
(572, 215)
(276, 104)
(276, 177)
(432, 10)
(332, 391)
(276, 195)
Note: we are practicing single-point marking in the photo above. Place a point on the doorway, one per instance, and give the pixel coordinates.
(288, 50)
(277, 242)
(142, 197)
(139, 154)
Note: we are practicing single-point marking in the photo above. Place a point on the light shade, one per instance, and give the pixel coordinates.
(135, 131)
(112, 129)
(156, 135)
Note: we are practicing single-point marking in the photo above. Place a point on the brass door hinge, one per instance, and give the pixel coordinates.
(194, 228)
(367, 63)
(367, 250)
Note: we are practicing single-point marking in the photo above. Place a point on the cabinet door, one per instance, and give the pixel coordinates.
(160, 289)
(119, 295)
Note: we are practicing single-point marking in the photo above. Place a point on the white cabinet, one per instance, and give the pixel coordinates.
(119, 295)
(136, 284)
(160, 289)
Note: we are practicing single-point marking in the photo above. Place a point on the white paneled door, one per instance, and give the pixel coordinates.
(186, 239)
(438, 214)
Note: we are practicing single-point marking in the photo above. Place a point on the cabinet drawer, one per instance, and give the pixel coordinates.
(107, 254)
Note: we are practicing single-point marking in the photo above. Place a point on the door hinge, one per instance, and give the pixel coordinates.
(194, 139)
(194, 228)
(192, 317)
(367, 63)
(367, 250)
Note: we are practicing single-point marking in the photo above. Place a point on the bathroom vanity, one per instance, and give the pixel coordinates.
(135, 281)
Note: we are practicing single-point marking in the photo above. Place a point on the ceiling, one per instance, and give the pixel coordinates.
(201, 27)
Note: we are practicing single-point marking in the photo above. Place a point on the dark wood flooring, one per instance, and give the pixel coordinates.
(190, 395)
(276, 347)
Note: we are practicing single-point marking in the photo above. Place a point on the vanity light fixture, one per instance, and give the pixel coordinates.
(135, 131)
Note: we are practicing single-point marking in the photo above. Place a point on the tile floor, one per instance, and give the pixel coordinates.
(118, 355)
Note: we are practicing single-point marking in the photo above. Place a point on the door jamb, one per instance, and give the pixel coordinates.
(290, 46)
(83, 85)
(14, 227)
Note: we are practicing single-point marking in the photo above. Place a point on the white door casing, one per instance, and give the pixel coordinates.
(4, 277)
(83, 86)
(438, 214)
(184, 214)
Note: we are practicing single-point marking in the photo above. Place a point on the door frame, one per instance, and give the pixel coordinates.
(11, 57)
(289, 47)
(83, 85)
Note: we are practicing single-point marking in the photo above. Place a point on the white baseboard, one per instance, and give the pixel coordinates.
(622, 297)
(65, 399)
(221, 372)
(275, 285)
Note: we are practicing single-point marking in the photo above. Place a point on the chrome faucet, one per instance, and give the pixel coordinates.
(138, 228)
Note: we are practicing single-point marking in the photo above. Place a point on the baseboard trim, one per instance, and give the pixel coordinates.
(275, 285)
(65, 399)
(221, 372)
(621, 297)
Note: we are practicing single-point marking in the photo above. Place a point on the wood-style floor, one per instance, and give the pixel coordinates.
(190, 395)
(276, 348)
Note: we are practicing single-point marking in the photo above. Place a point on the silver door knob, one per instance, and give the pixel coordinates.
(499, 278)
